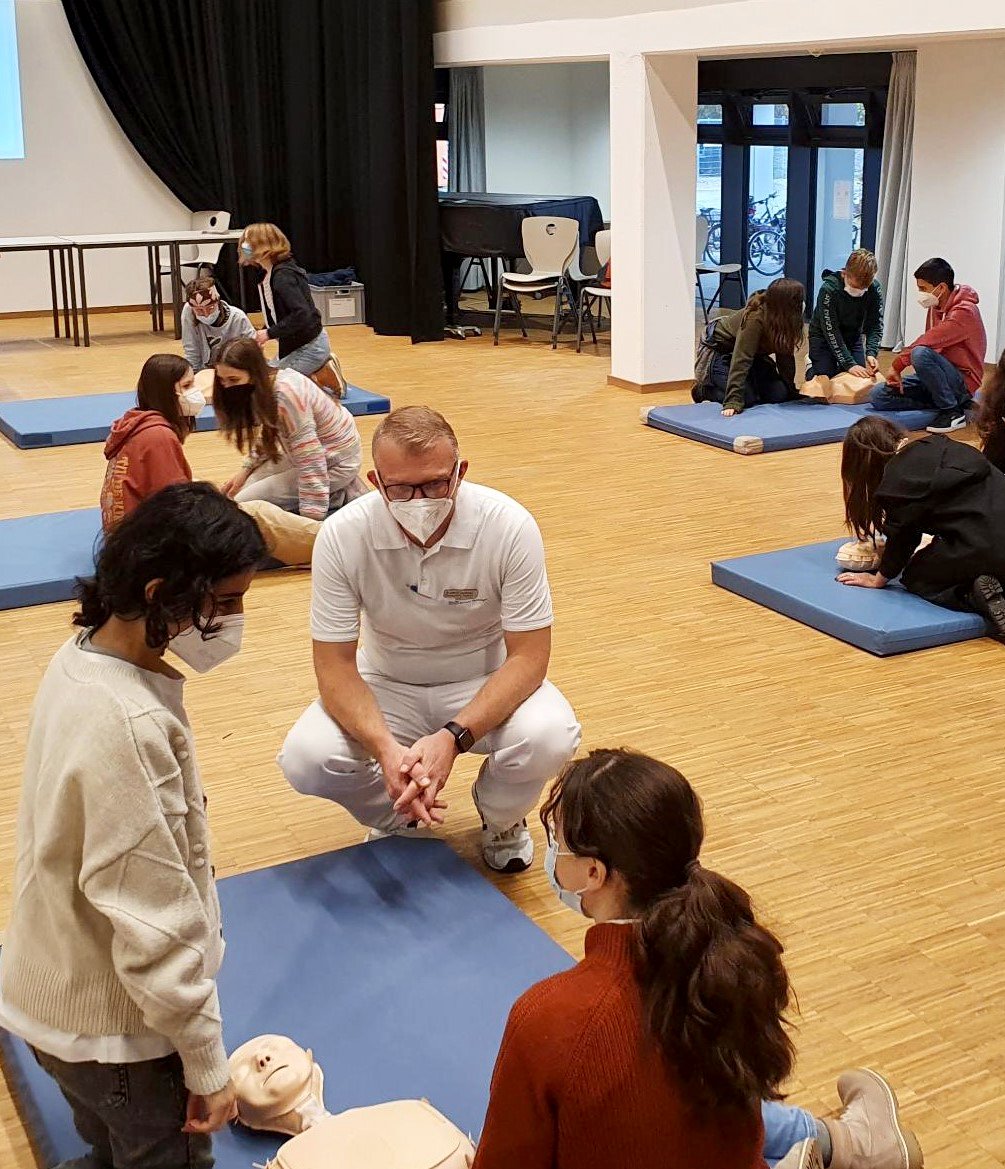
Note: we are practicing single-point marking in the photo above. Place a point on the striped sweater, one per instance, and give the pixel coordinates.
(320, 439)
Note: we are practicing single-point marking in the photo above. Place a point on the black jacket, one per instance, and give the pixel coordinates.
(297, 321)
(951, 491)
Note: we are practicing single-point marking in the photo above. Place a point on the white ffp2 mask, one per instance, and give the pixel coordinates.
(856, 292)
(928, 300)
(202, 653)
(192, 402)
(420, 517)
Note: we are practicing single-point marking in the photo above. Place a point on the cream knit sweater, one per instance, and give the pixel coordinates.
(115, 924)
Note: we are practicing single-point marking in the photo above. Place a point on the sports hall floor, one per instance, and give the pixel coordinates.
(862, 801)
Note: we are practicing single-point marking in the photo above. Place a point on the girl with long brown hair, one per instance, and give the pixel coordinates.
(904, 490)
(659, 1048)
(749, 356)
(302, 449)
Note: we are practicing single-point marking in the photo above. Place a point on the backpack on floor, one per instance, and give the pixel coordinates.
(405, 1134)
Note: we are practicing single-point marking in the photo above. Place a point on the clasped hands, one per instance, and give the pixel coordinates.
(414, 776)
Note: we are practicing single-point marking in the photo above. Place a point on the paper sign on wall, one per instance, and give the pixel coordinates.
(842, 199)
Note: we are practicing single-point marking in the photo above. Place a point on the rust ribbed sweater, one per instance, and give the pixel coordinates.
(579, 1085)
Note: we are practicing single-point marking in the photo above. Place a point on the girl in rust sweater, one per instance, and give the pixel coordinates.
(658, 1049)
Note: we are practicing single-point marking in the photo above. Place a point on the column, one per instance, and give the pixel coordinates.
(653, 141)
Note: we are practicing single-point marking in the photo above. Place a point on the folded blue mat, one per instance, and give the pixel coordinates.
(395, 962)
(800, 583)
(42, 555)
(770, 427)
(45, 422)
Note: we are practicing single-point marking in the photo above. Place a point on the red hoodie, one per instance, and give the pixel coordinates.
(144, 454)
(957, 332)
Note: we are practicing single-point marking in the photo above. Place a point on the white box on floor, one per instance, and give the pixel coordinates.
(340, 304)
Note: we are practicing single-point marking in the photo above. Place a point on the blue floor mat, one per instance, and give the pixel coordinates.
(800, 583)
(770, 427)
(395, 962)
(45, 422)
(42, 555)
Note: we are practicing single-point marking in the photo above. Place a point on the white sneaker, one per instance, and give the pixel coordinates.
(407, 831)
(506, 850)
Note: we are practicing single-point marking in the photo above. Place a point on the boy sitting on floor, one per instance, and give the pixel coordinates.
(948, 358)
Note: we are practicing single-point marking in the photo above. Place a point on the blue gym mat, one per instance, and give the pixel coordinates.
(800, 583)
(45, 422)
(42, 555)
(770, 427)
(395, 962)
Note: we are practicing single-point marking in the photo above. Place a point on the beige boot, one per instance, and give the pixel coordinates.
(868, 1134)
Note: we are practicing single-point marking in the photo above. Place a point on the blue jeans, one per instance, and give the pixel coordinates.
(936, 384)
(308, 358)
(823, 362)
(784, 1126)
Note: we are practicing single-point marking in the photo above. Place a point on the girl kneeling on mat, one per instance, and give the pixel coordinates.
(904, 490)
(660, 1046)
(109, 963)
(749, 356)
(291, 316)
(145, 453)
(302, 449)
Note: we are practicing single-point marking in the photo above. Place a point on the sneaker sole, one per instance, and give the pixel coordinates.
(947, 429)
(516, 865)
(908, 1142)
(989, 597)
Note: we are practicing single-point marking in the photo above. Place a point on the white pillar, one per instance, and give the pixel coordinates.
(653, 136)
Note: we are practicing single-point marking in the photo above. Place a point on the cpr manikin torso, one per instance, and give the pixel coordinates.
(844, 389)
(281, 1089)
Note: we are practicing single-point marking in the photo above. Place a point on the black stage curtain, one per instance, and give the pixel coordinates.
(316, 115)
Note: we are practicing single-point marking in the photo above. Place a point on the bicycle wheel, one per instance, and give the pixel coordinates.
(766, 252)
(713, 248)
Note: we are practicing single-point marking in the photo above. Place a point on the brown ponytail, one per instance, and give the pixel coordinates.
(248, 414)
(713, 984)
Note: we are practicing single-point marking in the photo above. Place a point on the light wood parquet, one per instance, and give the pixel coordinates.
(862, 801)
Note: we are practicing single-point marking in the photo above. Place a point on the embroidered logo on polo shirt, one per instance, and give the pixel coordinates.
(461, 594)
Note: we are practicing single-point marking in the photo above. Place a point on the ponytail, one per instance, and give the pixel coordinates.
(715, 991)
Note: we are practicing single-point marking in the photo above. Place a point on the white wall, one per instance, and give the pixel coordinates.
(959, 173)
(547, 130)
(79, 174)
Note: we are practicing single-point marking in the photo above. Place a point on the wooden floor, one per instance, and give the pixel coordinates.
(862, 801)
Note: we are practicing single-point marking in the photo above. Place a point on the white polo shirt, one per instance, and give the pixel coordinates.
(435, 615)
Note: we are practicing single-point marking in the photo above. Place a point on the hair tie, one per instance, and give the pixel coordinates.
(691, 868)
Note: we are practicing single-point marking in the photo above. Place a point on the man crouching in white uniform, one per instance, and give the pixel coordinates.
(431, 618)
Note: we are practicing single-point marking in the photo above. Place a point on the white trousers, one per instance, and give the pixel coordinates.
(320, 759)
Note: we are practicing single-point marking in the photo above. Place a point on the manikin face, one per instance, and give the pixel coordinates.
(272, 1075)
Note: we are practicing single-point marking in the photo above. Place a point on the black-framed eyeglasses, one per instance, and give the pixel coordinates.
(431, 489)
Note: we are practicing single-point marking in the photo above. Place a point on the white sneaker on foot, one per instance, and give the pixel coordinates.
(505, 850)
(868, 1134)
(407, 831)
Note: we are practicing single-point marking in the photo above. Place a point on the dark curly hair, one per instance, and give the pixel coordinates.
(189, 537)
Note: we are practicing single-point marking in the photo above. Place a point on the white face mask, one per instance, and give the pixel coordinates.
(856, 292)
(202, 654)
(421, 517)
(569, 899)
(928, 300)
(192, 401)
(211, 319)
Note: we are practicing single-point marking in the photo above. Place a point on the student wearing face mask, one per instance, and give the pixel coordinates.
(207, 321)
(302, 449)
(847, 323)
(431, 617)
(109, 962)
(948, 358)
(667, 1046)
(145, 453)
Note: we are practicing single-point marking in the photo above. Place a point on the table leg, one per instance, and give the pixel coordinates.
(158, 289)
(73, 296)
(52, 289)
(241, 288)
(152, 289)
(83, 297)
(66, 299)
(175, 262)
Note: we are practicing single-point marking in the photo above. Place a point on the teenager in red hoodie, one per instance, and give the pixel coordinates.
(948, 358)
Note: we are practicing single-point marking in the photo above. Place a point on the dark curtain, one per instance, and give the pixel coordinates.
(316, 115)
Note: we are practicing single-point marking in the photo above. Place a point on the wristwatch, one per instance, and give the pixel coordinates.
(464, 739)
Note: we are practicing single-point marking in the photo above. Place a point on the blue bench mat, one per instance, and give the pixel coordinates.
(395, 961)
(770, 427)
(800, 583)
(42, 555)
(45, 422)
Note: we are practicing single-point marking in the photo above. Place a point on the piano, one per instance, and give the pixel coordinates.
(487, 226)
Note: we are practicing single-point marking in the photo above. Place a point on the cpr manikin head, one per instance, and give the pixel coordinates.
(417, 470)
(279, 1086)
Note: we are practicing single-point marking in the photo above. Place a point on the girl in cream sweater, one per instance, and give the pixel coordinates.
(109, 963)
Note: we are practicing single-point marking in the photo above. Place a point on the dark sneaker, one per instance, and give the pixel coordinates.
(989, 600)
(948, 420)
